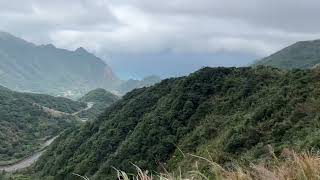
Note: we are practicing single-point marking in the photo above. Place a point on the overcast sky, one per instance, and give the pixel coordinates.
(168, 38)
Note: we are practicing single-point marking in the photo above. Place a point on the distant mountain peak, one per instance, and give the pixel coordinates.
(152, 77)
(301, 55)
(81, 50)
(51, 70)
(6, 36)
(133, 83)
(50, 46)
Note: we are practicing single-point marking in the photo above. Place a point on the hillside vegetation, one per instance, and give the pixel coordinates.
(101, 99)
(24, 124)
(232, 114)
(288, 166)
(302, 55)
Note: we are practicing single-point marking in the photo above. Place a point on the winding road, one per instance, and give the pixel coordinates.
(89, 106)
(28, 161)
(57, 113)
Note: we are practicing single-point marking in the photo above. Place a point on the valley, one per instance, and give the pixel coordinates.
(89, 106)
(228, 114)
(159, 90)
(57, 113)
(23, 124)
(28, 161)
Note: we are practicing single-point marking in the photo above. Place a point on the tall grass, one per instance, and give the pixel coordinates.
(292, 166)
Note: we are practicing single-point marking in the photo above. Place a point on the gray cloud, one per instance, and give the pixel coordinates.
(291, 15)
(151, 27)
(141, 26)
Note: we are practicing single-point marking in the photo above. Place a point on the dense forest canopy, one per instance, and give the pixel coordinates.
(24, 125)
(231, 113)
(100, 99)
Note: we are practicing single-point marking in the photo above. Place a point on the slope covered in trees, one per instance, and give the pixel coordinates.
(101, 99)
(234, 114)
(24, 124)
(302, 55)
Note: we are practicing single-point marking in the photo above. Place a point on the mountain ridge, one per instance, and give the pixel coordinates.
(45, 68)
(25, 66)
(232, 114)
(302, 55)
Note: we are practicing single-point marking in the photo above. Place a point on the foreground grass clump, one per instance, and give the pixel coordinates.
(291, 166)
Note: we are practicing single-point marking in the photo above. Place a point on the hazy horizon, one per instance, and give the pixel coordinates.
(140, 38)
(170, 64)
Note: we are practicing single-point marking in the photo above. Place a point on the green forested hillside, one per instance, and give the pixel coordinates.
(99, 95)
(24, 124)
(100, 100)
(302, 55)
(233, 114)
